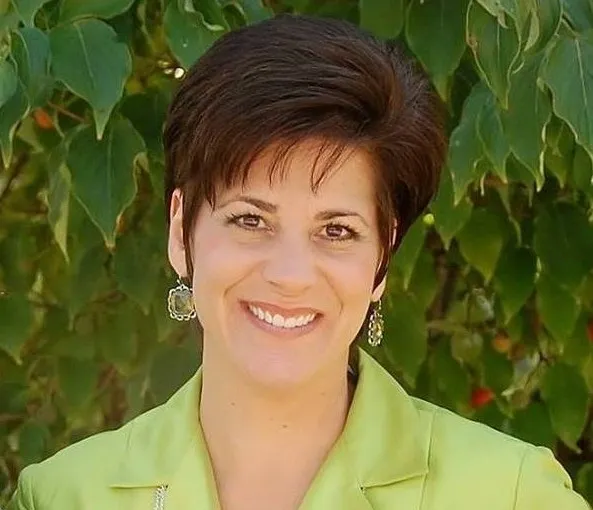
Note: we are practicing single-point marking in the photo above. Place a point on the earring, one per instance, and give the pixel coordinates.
(180, 302)
(375, 327)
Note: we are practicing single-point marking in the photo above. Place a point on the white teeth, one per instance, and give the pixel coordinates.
(279, 321)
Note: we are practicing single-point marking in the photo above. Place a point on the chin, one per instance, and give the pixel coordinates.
(275, 368)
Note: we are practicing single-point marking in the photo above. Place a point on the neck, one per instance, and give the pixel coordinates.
(245, 424)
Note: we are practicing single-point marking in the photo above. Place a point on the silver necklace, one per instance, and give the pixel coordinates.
(159, 497)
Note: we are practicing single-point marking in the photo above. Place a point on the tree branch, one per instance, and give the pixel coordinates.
(67, 113)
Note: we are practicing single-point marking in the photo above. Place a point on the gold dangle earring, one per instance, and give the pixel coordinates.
(180, 302)
(376, 325)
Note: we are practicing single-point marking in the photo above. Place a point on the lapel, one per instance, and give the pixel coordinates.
(378, 462)
(166, 447)
(381, 458)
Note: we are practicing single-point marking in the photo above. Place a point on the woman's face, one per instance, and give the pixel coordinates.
(284, 276)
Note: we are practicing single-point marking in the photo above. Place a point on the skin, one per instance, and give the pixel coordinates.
(271, 393)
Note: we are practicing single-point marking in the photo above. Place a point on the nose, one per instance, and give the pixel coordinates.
(290, 265)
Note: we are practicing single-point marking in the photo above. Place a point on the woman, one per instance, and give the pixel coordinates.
(299, 151)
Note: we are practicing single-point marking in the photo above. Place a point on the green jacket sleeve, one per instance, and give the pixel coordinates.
(543, 484)
(22, 499)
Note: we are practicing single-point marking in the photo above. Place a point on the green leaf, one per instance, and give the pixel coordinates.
(90, 61)
(18, 251)
(528, 113)
(442, 21)
(481, 241)
(72, 9)
(563, 241)
(383, 18)
(582, 169)
(147, 113)
(567, 399)
(424, 284)
(407, 253)
(171, 368)
(103, 172)
(558, 154)
(8, 81)
(518, 172)
(495, 49)
(492, 136)
(514, 279)
(450, 377)
(27, 9)
(15, 326)
(500, 8)
(11, 114)
(557, 307)
(30, 49)
(116, 337)
(584, 481)
(580, 14)
(255, 11)
(497, 369)
(84, 278)
(34, 438)
(568, 72)
(136, 268)
(188, 34)
(532, 424)
(58, 202)
(577, 346)
(405, 334)
(547, 17)
(211, 10)
(465, 149)
(78, 380)
(449, 217)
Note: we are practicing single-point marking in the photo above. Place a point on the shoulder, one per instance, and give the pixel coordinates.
(450, 431)
(472, 460)
(77, 471)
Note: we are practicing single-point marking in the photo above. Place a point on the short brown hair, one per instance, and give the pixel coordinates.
(295, 78)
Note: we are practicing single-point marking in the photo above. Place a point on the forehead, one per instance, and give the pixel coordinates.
(314, 169)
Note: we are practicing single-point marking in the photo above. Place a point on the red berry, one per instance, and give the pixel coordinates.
(42, 118)
(501, 343)
(481, 396)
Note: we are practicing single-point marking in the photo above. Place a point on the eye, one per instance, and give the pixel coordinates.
(337, 232)
(247, 221)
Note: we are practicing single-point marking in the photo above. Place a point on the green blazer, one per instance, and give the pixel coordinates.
(396, 452)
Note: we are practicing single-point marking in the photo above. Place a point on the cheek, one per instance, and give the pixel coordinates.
(218, 266)
(352, 277)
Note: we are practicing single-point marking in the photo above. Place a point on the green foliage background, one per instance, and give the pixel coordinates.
(490, 300)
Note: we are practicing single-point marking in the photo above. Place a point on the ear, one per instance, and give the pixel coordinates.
(176, 248)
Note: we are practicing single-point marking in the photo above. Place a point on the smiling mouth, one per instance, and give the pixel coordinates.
(280, 321)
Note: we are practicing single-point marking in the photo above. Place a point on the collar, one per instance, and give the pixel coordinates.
(385, 439)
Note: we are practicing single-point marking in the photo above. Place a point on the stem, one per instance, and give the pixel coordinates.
(67, 113)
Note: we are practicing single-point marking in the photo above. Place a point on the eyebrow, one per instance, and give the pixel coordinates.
(270, 208)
